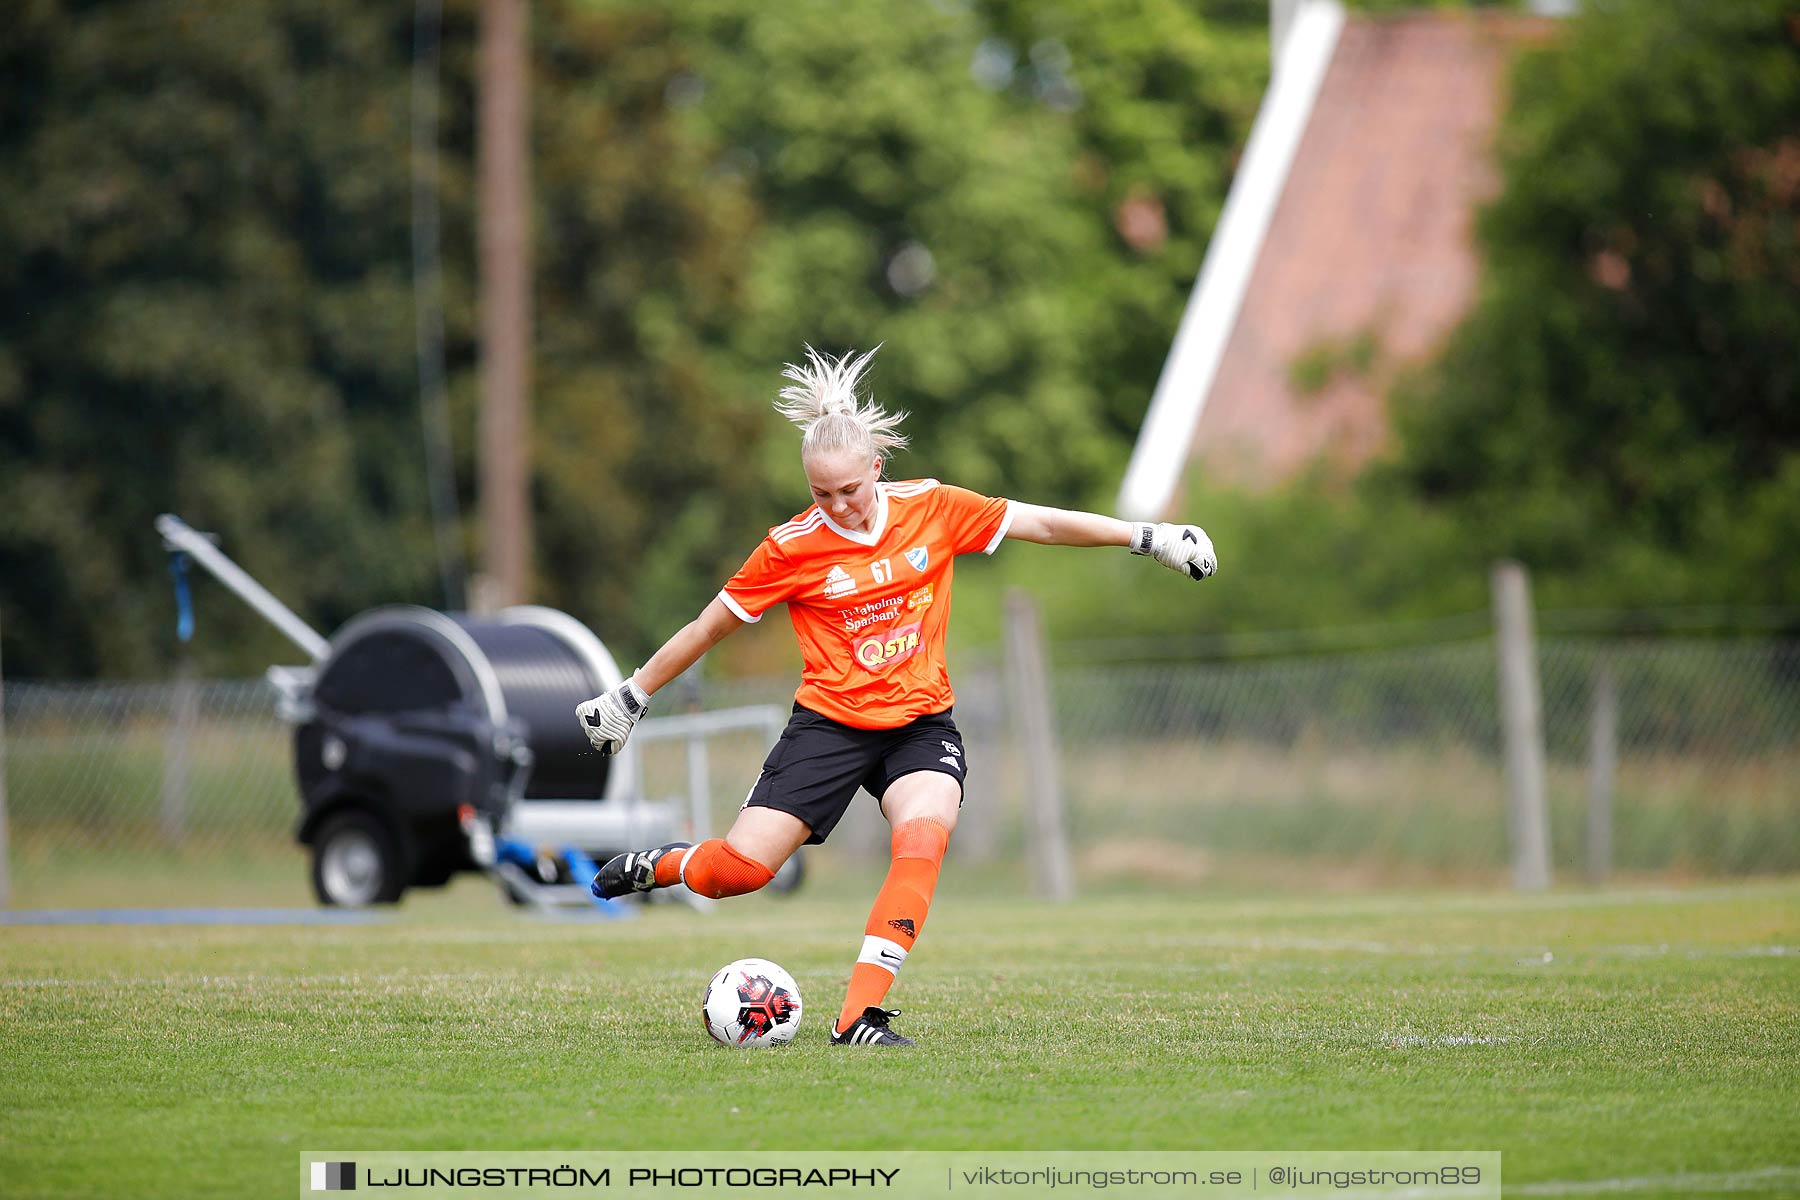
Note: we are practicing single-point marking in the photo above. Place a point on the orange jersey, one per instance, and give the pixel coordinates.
(871, 609)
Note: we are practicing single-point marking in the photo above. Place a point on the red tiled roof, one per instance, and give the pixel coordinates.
(1372, 237)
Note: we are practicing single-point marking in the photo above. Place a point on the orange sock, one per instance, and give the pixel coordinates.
(712, 869)
(898, 915)
(668, 867)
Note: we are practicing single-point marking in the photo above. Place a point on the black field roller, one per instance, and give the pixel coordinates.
(418, 721)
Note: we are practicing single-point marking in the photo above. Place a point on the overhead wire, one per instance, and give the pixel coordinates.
(428, 305)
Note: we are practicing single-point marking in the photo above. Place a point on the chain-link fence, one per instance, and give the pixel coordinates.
(1672, 757)
(187, 766)
(1682, 756)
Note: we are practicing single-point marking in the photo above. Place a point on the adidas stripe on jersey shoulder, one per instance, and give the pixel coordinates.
(813, 518)
(908, 488)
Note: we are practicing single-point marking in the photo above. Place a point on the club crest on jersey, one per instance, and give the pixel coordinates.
(838, 583)
(918, 556)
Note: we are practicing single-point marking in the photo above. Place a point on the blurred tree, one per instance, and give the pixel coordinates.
(947, 180)
(206, 301)
(904, 205)
(650, 488)
(1160, 97)
(1622, 409)
(202, 259)
(206, 307)
(206, 304)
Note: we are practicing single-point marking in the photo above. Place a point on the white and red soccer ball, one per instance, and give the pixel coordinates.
(751, 1002)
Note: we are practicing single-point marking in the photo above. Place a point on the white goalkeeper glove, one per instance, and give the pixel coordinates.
(609, 718)
(1184, 548)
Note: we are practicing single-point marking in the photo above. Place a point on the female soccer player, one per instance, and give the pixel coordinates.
(865, 573)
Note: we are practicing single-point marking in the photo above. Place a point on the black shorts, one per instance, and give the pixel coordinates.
(817, 765)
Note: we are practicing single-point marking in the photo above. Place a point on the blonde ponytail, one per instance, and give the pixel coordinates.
(832, 418)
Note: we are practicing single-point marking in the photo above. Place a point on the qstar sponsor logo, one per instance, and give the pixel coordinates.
(882, 651)
(838, 583)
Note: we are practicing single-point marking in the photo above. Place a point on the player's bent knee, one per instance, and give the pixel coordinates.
(767, 836)
(717, 870)
(921, 837)
(930, 794)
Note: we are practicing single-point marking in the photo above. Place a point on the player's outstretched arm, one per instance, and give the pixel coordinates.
(609, 718)
(1184, 548)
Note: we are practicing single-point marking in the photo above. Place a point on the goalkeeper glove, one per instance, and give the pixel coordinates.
(609, 718)
(1184, 548)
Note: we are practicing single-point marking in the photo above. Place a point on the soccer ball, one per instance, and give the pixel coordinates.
(751, 1002)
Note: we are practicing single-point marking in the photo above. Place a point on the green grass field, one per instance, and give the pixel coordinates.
(1644, 1043)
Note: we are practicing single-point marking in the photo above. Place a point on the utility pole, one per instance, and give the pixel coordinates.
(505, 432)
(1522, 726)
(5, 845)
(1028, 696)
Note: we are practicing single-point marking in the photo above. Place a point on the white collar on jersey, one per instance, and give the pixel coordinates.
(875, 528)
